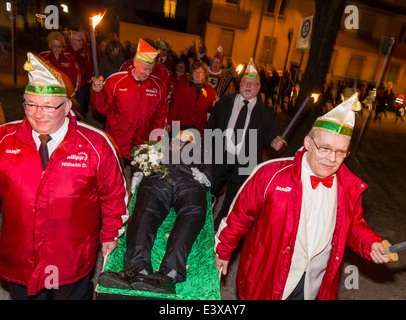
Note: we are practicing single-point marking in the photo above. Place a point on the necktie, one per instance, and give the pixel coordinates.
(327, 182)
(240, 123)
(43, 149)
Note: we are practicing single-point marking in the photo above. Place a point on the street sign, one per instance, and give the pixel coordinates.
(306, 27)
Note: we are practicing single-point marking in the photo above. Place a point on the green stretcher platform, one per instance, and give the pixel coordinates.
(202, 282)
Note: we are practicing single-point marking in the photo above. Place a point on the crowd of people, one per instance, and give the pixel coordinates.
(381, 99)
(64, 186)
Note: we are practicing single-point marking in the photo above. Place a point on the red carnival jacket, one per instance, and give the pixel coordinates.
(159, 71)
(67, 64)
(85, 61)
(132, 110)
(189, 109)
(55, 218)
(267, 210)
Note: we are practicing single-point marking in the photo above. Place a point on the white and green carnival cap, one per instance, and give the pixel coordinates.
(341, 119)
(163, 44)
(43, 79)
(251, 71)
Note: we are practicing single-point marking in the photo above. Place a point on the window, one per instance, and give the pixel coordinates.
(393, 72)
(170, 8)
(227, 41)
(268, 50)
(272, 7)
(355, 66)
(366, 24)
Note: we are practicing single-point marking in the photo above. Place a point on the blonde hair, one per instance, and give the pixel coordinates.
(55, 35)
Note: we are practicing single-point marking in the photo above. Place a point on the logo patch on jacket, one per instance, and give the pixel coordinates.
(285, 189)
(151, 92)
(13, 151)
(76, 160)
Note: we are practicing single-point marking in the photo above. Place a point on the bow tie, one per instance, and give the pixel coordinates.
(327, 182)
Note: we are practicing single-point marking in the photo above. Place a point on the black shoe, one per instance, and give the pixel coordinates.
(118, 280)
(157, 282)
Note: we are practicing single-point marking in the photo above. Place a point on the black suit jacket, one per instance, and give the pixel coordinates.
(262, 119)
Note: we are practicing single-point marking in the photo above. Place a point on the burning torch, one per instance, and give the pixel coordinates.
(93, 22)
(315, 96)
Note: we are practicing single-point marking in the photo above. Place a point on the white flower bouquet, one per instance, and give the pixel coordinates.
(148, 157)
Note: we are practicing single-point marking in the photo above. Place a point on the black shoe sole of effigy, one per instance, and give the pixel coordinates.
(112, 281)
(142, 286)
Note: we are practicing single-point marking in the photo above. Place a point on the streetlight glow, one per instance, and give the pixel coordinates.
(65, 8)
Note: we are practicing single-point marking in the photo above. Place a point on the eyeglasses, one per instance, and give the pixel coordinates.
(46, 109)
(249, 83)
(327, 151)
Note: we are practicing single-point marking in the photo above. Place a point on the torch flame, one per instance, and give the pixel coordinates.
(96, 19)
(239, 68)
(315, 96)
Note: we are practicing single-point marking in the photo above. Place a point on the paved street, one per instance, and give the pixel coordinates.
(380, 162)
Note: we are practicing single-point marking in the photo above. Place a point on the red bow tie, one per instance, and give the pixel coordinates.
(327, 182)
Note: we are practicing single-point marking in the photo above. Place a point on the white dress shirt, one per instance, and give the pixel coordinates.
(315, 231)
(238, 104)
(57, 137)
(317, 204)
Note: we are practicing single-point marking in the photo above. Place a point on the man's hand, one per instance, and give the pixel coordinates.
(221, 264)
(201, 177)
(136, 180)
(378, 253)
(278, 144)
(108, 247)
(97, 84)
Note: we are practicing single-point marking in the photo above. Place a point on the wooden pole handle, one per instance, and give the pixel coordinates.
(393, 256)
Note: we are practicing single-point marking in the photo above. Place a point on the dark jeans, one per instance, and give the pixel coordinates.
(83, 99)
(227, 175)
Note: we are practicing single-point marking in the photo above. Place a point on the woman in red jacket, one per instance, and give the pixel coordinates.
(193, 99)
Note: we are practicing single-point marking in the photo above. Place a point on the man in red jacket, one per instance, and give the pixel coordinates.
(134, 101)
(78, 49)
(62, 190)
(297, 215)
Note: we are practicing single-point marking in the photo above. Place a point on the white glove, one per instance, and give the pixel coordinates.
(136, 180)
(201, 177)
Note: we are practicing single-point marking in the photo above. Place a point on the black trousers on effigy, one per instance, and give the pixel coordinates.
(155, 197)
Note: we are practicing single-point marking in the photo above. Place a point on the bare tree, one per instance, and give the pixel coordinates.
(327, 21)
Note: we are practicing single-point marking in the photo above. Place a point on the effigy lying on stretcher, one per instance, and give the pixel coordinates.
(202, 282)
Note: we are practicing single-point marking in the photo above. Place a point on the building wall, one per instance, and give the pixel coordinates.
(178, 41)
(246, 40)
(350, 44)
